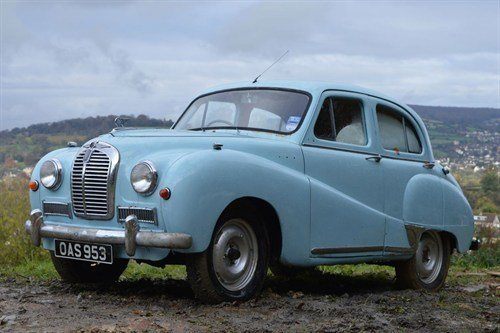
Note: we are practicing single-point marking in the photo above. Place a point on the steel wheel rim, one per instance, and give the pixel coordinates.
(235, 254)
(429, 257)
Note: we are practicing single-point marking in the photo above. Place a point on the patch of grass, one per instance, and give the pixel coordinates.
(15, 245)
(137, 271)
(486, 257)
(42, 270)
(359, 269)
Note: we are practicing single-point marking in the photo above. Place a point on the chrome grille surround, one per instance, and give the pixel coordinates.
(93, 178)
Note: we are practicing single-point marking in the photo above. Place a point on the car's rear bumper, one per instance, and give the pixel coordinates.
(130, 237)
(475, 244)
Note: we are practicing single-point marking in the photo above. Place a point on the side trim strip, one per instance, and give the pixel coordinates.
(344, 250)
(402, 250)
(335, 250)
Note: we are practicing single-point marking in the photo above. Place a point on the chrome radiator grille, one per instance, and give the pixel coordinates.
(92, 181)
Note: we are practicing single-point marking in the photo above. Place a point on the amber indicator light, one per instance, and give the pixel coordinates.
(165, 193)
(33, 185)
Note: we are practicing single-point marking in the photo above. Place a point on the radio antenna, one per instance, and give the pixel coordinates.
(274, 63)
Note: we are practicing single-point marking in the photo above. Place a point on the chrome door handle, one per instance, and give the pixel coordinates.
(375, 158)
(429, 165)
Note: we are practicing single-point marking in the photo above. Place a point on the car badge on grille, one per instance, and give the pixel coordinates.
(87, 154)
(89, 151)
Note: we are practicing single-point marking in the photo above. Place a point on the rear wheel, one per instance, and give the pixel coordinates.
(87, 272)
(234, 266)
(429, 266)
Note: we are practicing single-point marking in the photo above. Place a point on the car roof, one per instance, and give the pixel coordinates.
(315, 88)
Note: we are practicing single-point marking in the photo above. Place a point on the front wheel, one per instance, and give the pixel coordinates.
(429, 266)
(234, 266)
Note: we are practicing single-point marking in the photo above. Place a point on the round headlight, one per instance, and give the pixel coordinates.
(50, 174)
(143, 178)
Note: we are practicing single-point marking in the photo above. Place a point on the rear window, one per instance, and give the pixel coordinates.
(397, 132)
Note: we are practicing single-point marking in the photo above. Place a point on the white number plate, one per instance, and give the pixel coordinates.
(84, 251)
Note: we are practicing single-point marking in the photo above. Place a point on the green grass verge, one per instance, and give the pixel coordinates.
(43, 270)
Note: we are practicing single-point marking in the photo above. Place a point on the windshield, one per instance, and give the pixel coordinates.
(256, 109)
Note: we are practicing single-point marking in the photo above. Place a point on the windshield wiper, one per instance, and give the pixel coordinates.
(214, 128)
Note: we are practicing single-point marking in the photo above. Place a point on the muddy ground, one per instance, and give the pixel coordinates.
(324, 303)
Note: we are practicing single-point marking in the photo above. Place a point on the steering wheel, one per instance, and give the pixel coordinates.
(227, 122)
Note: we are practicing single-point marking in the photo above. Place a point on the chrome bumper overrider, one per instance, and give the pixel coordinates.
(131, 237)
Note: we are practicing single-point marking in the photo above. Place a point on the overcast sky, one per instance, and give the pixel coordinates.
(70, 59)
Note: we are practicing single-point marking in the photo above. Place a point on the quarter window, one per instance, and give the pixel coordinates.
(396, 132)
(341, 120)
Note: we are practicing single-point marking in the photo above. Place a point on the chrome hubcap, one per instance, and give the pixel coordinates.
(429, 257)
(235, 254)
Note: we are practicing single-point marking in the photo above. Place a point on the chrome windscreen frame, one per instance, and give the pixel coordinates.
(114, 157)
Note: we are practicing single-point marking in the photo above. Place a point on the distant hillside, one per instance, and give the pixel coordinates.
(90, 126)
(23, 147)
(463, 117)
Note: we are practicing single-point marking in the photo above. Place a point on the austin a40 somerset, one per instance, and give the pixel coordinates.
(279, 175)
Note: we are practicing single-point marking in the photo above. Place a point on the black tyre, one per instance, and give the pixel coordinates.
(429, 266)
(234, 266)
(77, 271)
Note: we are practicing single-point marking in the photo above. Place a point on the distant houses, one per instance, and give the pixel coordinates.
(487, 228)
(487, 220)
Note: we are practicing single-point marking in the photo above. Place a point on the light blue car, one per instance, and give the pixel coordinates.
(280, 175)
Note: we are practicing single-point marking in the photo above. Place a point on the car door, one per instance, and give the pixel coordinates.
(404, 155)
(346, 182)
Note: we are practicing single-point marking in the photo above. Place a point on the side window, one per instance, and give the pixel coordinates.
(348, 121)
(323, 129)
(396, 132)
(414, 145)
(341, 120)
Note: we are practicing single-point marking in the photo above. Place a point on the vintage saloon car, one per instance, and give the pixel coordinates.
(276, 175)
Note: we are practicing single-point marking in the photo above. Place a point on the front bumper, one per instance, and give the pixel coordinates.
(130, 237)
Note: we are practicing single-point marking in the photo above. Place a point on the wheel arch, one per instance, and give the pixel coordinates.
(452, 239)
(269, 217)
(446, 210)
(206, 183)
